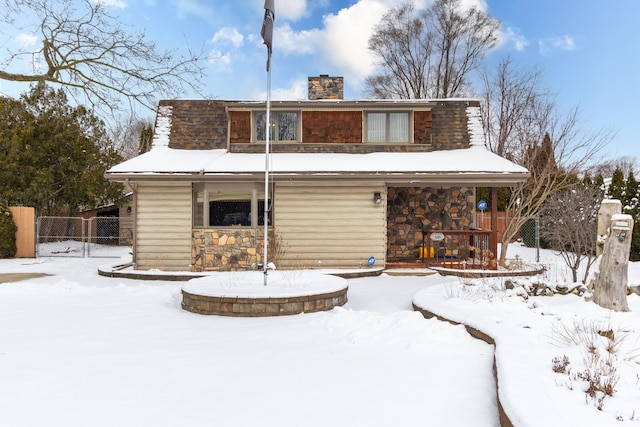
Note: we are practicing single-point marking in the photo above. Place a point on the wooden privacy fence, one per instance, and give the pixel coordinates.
(25, 219)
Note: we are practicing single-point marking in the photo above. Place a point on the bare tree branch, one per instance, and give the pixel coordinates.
(522, 123)
(569, 225)
(429, 53)
(85, 48)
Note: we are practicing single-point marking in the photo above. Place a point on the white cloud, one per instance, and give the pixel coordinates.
(478, 4)
(512, 36)
(347, 37)
(296, 91)
(566, 43)
(119, 4)
(342, 43)
(291, 42)
(192, 7)
(222, 61)
(291, 10)
(26, 40)
(228, 35)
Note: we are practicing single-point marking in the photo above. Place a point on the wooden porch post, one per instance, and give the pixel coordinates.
(493, 237)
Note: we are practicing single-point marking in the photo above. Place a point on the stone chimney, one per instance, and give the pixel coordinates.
(325, 87)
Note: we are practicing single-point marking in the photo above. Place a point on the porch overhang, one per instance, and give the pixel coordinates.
(474, 166)
(393, 179)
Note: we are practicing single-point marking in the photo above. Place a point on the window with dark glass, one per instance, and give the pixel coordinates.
(233, 213)
(233, 208)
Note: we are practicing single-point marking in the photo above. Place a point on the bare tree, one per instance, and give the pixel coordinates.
(429, 53)
(523, 124)
(133, 137)
(85, 48)
(569, 225)
(606, 167)
(553, 164)
(510, 94)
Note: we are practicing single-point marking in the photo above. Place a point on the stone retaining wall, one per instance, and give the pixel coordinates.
(262, 307)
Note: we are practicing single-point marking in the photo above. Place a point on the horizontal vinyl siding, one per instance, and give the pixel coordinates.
(163, 231)
(336, 224)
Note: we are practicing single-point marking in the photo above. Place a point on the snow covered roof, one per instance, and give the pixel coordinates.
(475, 161)
(473, 165)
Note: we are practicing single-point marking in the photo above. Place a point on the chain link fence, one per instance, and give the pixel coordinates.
(529, 233)
(79, 237)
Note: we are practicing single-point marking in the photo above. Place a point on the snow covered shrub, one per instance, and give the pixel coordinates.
(7, 233)
(600, 346)
(560, 364)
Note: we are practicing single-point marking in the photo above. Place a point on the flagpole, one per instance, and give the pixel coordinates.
(267, 36)
(266, 175)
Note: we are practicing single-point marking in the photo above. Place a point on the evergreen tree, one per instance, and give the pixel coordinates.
(627, 192)
(631, 192)
(54, 155)
(7, 233)
(617, 187)
(630, 207)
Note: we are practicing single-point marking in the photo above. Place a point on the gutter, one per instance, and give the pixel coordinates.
(416, 179)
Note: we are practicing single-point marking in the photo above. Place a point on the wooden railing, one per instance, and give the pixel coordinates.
(459, 249)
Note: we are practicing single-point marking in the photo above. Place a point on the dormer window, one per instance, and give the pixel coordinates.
(284, 126)
(388, 126)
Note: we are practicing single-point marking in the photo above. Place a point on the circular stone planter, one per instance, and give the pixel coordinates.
(244, 294)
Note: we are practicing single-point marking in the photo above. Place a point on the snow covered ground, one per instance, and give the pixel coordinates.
(78, 349)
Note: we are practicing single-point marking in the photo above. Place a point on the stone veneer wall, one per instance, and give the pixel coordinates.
(325, 87)
(449, 124)
(410, 210)
(262, 307)
(226, 249)
(197, 124)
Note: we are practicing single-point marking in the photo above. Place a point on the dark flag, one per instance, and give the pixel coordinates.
(267, 27)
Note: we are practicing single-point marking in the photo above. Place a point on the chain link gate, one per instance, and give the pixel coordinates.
(78, 237)
(103, 235)
(529, 233)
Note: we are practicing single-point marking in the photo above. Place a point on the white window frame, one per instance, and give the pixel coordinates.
(385, 132)
(274, 118)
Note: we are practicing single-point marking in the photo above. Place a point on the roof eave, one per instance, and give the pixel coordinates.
(476, 179)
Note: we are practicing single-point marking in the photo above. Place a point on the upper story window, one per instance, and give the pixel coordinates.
(284, 126)
(388, 126)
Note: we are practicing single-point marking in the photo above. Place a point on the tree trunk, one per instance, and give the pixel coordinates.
(610, 284)
(608, 208)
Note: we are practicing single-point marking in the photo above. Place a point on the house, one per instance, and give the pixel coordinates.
(349, 181)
